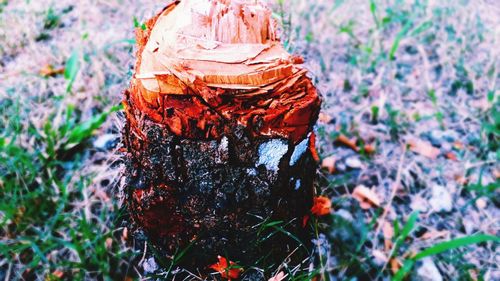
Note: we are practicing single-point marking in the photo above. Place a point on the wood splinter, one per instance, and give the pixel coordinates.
(219, 122)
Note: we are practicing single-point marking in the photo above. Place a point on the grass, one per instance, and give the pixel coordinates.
(387, 70)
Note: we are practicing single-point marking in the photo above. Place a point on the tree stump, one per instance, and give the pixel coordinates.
(218, 134)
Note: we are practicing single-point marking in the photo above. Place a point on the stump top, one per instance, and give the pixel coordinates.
(225, 44)
(204, 67)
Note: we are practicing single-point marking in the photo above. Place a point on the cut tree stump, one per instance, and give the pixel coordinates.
(218, 134)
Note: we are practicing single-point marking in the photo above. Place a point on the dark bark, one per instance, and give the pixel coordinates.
(212, 195)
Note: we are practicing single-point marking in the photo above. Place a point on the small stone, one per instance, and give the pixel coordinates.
(149, 265)
(427, 271)
(105, 141)
(441, 200)
(344, 214)
(481, 203)
(438, 137)
(354, 162)
(419, 204)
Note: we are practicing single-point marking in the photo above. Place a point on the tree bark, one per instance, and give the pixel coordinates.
(218, 134)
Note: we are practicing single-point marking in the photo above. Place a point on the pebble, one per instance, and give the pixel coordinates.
(441, 200)
(149, 265)
(105, 141)
(427, 271)
(438, 137)
(354, 162)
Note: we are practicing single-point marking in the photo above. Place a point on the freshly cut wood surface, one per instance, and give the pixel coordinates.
(203, 65)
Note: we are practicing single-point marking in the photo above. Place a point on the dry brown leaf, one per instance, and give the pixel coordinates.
(450, 155)
(369, 148)
(58, 273)
(395, 265)
(49, 71)
(388, 232)
(423, 148)
(108, 243)
(461, 180)
(329, 164)
(344, 140)
(366, 197)
(434, 234)
(324, 118)
(458, 145)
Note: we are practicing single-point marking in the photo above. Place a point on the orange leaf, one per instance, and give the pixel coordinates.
(369, 148)
(321, 206)
(351, 143)
(58, 273)
(49, 71)
(395, 265)
(366, 197)
(329, 164)
(226, 269)
(423, 148)
(450, 155)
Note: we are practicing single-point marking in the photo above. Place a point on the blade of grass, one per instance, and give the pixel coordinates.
(71, 69)
(440, 248)
(399, 37)
(455, 243)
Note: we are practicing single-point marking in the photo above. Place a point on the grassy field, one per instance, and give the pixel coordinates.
(411, 112)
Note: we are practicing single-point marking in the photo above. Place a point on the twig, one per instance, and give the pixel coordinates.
(395, 188)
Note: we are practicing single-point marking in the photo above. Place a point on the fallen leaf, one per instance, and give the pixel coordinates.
(461, 180)
(58, 273)
(226, 269)
(450, 155)
(423, 148)
(395, 265)
(278, 277)
(324, 118)
(351, 143)
(458, 145)
(434, 234)
(329, 164)
(321, 206)
(369, 148)
(388, 232)
(366, 197)
(108, 243)
(49, 71)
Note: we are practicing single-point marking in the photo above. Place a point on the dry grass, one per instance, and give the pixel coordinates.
(389, 72)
